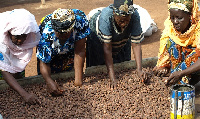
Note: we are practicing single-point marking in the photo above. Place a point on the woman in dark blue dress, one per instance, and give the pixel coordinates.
(114, 30)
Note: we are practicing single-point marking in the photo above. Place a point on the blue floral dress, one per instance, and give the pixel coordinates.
(49, 50)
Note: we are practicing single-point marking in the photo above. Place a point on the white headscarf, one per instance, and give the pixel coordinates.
(17, 22)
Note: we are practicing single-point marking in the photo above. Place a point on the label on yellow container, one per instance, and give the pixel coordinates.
(182, 104)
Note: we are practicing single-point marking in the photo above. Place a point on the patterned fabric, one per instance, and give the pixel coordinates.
(49, 47)
(63, 20)
(185, 5)
(179, 58)
(123, 7)
(190, 6)
(185, 47)
(103, 29)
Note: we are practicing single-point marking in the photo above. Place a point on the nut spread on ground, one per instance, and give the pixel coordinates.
(131, 99)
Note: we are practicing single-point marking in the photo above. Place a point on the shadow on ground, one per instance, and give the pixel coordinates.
(153, 38)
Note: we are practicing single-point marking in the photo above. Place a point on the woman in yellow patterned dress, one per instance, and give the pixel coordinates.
(179, 51)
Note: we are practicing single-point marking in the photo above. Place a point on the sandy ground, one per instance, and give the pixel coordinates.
(150, 46)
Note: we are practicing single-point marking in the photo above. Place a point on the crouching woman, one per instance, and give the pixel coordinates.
(179, 51)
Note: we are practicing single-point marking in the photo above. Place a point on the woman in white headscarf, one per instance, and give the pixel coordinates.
(19, 33)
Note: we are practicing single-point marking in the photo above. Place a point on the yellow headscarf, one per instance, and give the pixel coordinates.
(190, 37)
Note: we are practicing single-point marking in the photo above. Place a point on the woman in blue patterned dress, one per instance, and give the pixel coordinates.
(62, 45)
(114, 30)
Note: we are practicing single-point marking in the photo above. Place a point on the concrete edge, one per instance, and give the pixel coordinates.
(147, 62)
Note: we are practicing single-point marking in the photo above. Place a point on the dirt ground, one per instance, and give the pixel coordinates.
(150, 46)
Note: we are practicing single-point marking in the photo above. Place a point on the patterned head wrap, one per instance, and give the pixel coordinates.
(123, 7)
(190, 6)
(63, 20)
(185, 5)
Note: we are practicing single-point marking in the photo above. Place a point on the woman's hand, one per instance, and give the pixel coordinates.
(79, 59)
(52, 86)
(12, 82)
(160, 72)
(54, 89)
(107, 47)
(113, 84)
(31, 99)
(174, 78)
(142, 75)
(113, 81)
(78, 82)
